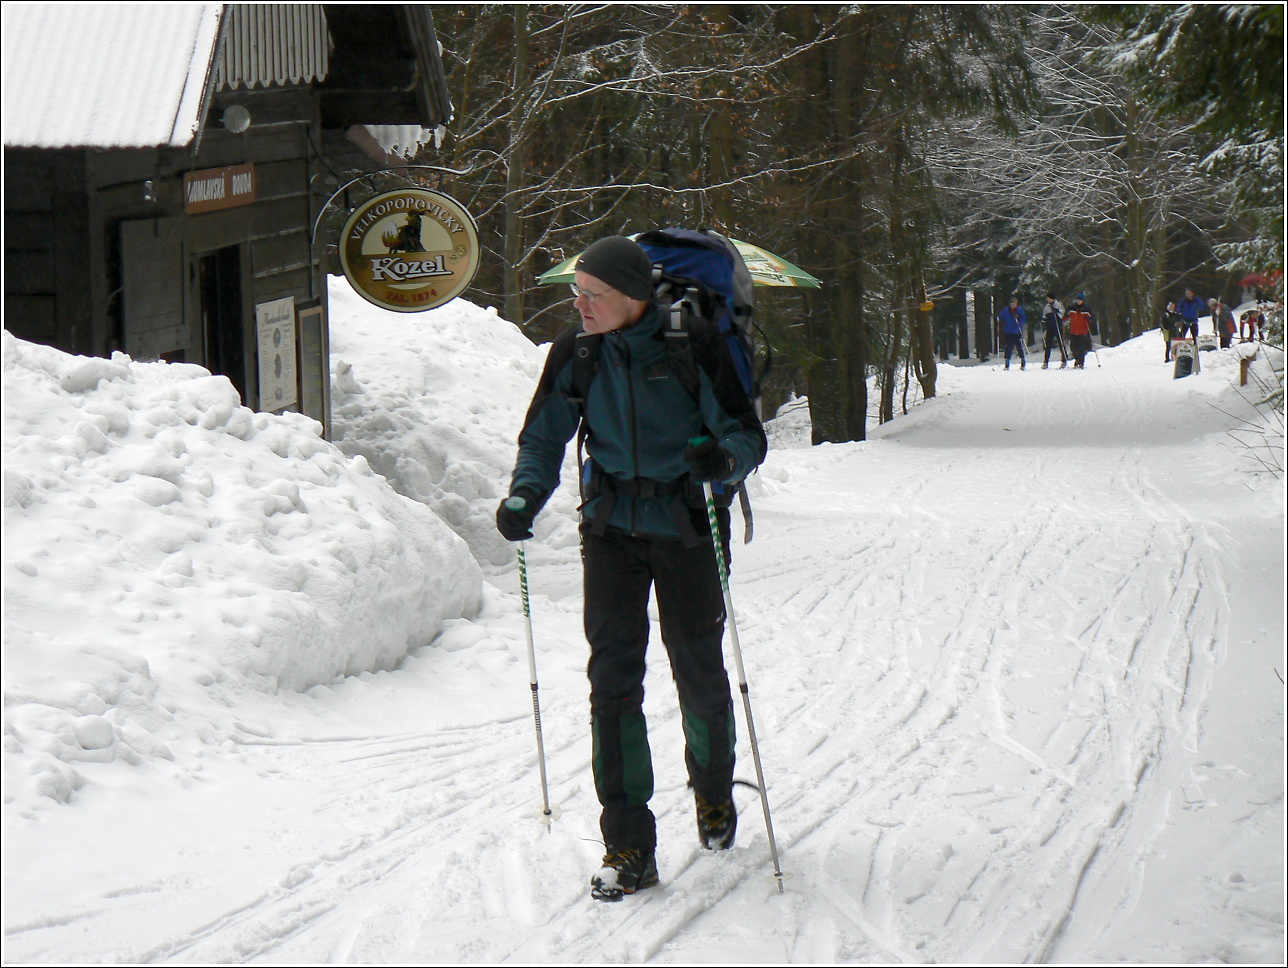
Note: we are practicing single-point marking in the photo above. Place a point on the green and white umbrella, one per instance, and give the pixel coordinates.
(766, 268)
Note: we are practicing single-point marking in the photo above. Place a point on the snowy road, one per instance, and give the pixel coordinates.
(982, 649)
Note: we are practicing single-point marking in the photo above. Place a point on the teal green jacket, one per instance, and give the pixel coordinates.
(639, 419)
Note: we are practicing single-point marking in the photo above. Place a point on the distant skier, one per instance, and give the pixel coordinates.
(1172, 325)
(1082, 323)
(1013, 319)
(1255, 321)
(1190, 308)
(1052, 337)
(1223, 323)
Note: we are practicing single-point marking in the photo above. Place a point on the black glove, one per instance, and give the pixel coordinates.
(707, 460)
(515, 514)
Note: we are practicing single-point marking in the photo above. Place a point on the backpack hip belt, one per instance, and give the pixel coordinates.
(679, 496)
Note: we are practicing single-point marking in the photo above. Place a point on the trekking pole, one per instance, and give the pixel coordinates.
(742, 677)
(548, 814)
(1064, 352)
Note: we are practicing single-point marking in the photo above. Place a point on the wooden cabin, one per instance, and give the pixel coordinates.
(165, 164)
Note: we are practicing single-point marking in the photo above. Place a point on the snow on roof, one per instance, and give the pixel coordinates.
(405, 139)
(105, 75)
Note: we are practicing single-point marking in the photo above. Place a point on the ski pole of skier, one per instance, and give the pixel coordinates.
(742, 677)
(547, 814)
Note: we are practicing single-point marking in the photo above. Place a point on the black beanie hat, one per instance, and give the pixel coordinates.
(622, 264)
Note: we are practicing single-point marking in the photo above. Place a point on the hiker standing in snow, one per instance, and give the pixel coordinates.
(1172, 325)
(1052, 338)
(643, 524)
(1190, 308)
(1082, 324)
(1255, 320)
(1013, 319)
(1223, 323)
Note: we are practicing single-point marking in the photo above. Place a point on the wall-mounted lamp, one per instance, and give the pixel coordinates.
(236, 118)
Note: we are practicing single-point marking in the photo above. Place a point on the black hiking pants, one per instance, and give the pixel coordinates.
(1079, 346)
(619, 571)
(1014, 344)
(1052, 341)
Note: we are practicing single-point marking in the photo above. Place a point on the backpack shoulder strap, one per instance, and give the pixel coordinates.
(692, 341)
(585, 364)
(677, 332)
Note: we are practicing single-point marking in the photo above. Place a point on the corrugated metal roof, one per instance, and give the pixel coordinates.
(134, 75)
(105, 75)
(273, 43)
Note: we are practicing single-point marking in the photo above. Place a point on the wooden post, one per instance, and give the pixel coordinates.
(1244, 363)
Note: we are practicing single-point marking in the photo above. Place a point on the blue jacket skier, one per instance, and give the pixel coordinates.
(1191, 308)
(1013, 319)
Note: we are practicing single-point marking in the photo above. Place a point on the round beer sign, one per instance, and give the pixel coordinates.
(409, 250)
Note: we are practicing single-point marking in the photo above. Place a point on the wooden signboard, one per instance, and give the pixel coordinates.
(212, 189)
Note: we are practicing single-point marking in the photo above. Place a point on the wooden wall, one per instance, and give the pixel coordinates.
(46, 242)
(70, 283)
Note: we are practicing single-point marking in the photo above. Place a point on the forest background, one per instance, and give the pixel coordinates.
(904, 154)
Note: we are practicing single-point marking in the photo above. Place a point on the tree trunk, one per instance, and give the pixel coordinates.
(923, 350)
(890, 368)
(719, 140)
(514, 274)
(823, 380)
(852, 346)
(855, 359)
(983, 324)
(837, 379)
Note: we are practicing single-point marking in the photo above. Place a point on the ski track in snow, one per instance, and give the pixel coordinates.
(1017, 648)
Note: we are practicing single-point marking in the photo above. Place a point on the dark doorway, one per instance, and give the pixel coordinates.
(222, 331)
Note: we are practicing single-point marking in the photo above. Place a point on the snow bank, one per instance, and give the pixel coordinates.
(435, 402)
(790, 425)
(168, 550)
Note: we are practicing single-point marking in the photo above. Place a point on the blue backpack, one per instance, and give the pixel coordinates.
(702, 285)
(701, 276)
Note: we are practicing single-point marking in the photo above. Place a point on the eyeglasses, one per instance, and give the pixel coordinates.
(590, 296)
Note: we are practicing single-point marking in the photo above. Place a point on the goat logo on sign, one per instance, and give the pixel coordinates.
(409, 250)
(405, 239)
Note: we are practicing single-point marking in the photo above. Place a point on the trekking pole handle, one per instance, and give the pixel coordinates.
(527, 608)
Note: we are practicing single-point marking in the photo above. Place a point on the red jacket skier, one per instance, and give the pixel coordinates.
(1082, 322)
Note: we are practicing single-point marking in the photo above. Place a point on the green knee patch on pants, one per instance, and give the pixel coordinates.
(697, 734)
(622, 761)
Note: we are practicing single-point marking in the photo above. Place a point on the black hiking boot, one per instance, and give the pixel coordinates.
(624, 872)
(717, 822)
